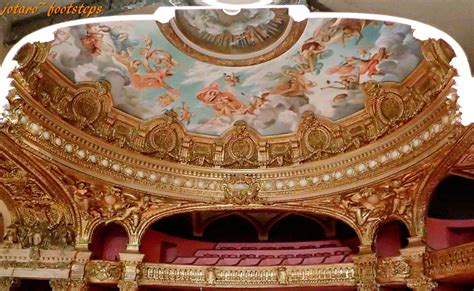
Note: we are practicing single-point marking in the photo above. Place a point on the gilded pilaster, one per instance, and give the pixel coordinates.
(78, 266)
(130, 263)
(365, 264)
(414, 254)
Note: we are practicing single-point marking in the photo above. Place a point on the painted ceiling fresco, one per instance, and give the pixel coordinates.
(321, 72)
(248, 31)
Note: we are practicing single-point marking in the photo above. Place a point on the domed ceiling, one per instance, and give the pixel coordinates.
(260, 66)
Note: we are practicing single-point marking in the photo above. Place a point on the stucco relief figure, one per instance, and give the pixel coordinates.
(133, 208)
(11, 235)
(367, 205)
(223, 103)
(282, 276)
(211, 276)
(81, 195)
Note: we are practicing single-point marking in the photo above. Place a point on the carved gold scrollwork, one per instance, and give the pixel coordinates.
(240, 147)
(392, 269)
(241, 190)
(162, 140)
(103, 272)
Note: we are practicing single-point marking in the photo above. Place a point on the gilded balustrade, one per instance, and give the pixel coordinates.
(451, 261)
(185, 275)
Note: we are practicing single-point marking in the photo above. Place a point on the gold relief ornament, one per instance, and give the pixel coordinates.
(40, 234)
(41, 221)
(103, 271)
(241, 190)
(240, 147)
(390, 269)
(378, 203)
(367, 205)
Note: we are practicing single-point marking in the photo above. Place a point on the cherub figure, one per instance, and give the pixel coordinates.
(293, 83)
(223, 103)
(231, 79)
(366, 204)
(154, 78)
(310, 50)
(166, 99)
(348, 82)
(185, 114)
(257, 102)
(159, 57)
(134, 207)
(368, 66)
(93, 39)
(81, 195)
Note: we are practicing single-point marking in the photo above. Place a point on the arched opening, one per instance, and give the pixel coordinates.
(231, 228)
(108, 241)
(232, 239)
(296, 227)
(31, 285)
(390, 238)
(450, 219)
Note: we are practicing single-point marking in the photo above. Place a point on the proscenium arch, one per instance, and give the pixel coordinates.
(150, 219)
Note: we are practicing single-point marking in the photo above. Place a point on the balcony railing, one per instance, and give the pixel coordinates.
(272, 276)
(450, 262)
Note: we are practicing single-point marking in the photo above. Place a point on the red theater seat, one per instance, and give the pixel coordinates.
(268, 254)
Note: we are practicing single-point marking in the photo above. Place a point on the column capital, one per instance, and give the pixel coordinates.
(128, 285)
(59, 284)
(422, 283)
(7, 282)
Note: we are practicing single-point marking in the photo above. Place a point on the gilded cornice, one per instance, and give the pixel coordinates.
(424, 135)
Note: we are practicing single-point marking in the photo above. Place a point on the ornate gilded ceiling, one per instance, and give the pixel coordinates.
(259, 66)
(74, 97)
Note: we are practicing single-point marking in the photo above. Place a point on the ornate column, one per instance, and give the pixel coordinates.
(414, 254)
(130, 271)
(7, 282)
(366, 262)
(59, 284)
(77, 281)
